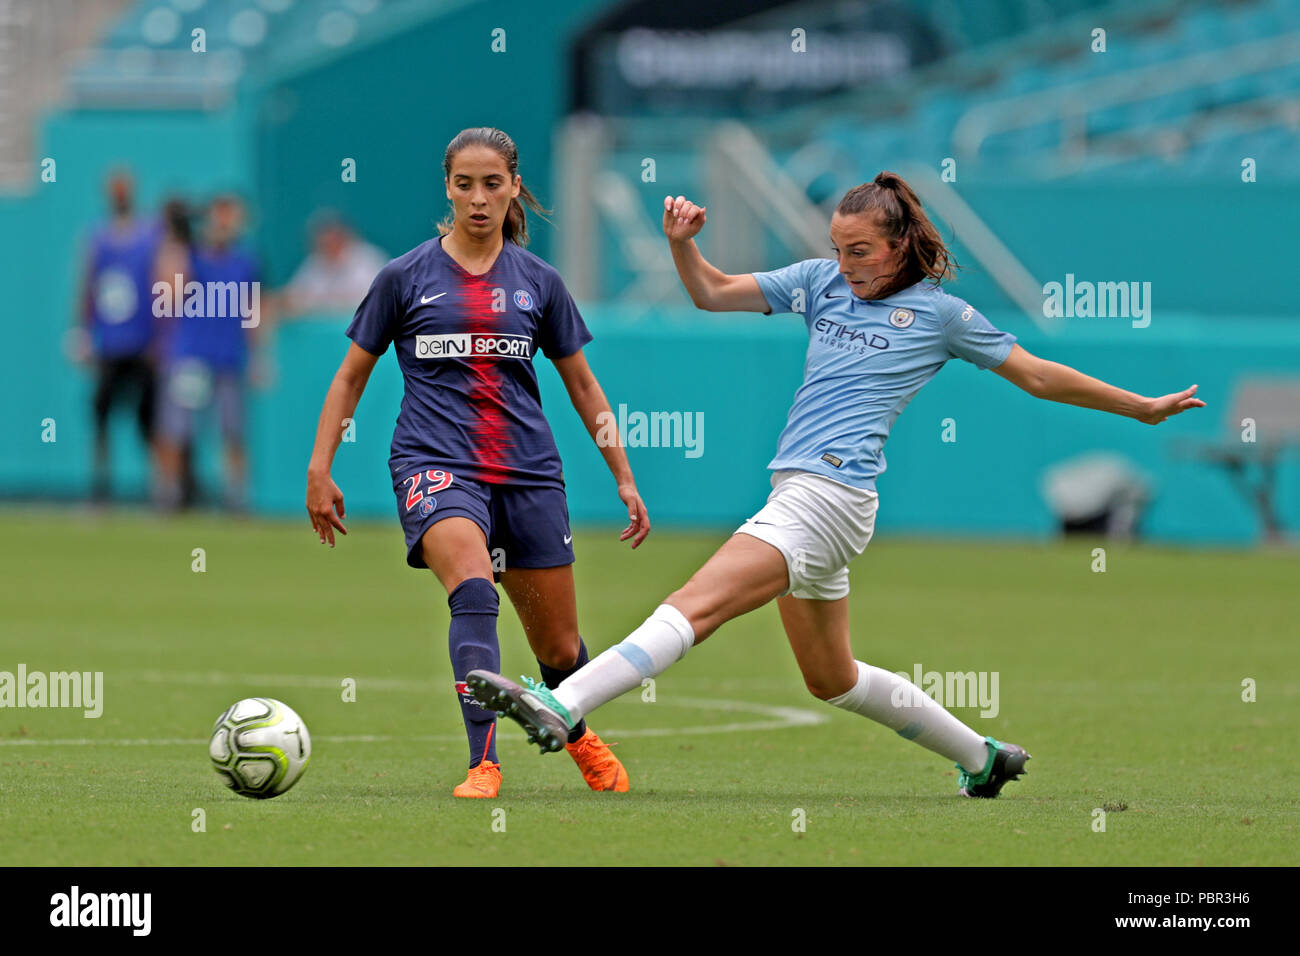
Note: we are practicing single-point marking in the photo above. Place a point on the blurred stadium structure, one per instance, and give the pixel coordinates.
(1168, 157)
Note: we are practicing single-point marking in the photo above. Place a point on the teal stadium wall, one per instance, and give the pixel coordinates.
(741, 373)
(1220, 314)
(1223, 308)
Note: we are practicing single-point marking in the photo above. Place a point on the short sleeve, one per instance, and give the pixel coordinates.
(379, 316)
(972, 337)
(781, 288)
(562, 330)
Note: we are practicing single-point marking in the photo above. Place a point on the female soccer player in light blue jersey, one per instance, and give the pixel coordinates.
(879, 328)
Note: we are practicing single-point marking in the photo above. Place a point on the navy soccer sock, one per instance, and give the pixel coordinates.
(552, 677)
(473, 643)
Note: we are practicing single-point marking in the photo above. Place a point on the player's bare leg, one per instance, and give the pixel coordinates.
(818, 632)
(547, 606)
(236, 496)
(455, 549)
(744, 574)
(170, 466)
(546, 601)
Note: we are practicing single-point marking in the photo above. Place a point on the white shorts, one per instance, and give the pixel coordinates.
(819, 525)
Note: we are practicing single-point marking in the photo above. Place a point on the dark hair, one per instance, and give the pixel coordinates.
(515, 228)
(121, 190)
(178, 219)
(898, 212)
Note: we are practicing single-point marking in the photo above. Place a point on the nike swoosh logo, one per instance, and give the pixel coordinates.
(829, 296)
(568, 538)
(426, 299)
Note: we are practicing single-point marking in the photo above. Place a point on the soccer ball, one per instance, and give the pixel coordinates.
(259, 747)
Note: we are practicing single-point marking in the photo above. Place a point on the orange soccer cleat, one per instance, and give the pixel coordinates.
(482, 781)
(600, 768)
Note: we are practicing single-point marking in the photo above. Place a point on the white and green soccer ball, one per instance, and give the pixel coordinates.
(259, 747)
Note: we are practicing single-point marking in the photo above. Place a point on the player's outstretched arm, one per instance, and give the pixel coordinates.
(593, 408)
(1060, 383)
(710, 288)
(323, 496)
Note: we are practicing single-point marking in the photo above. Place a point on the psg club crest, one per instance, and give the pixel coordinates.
(901, 318)
(523, 299)
(427, 506)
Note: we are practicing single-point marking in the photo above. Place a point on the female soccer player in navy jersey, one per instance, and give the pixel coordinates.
(475, 469)
(878, 331)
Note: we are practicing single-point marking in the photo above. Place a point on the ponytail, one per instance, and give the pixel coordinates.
(515, 227)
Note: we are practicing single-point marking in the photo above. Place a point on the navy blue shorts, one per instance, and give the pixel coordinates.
(525, 526)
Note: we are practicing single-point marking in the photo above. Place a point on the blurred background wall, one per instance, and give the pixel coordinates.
(1167, 156)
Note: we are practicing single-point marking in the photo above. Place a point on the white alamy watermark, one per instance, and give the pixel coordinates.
(652, 430)
(1103, 300)
(83, 690)
(949, 689)
(75, 908)
(212, 300)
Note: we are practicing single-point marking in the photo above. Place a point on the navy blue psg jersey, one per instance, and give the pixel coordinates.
(466, 346)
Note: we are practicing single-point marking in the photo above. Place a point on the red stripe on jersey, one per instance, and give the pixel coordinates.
(487, 402)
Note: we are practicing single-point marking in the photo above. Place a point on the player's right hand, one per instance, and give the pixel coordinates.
(323, 499)
(682, 218)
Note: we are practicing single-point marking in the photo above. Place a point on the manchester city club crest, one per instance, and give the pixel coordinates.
(523, 299)
(427, 506)
(901, 318)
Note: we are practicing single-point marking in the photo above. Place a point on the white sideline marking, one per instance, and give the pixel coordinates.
(279, 680)
(778, 718)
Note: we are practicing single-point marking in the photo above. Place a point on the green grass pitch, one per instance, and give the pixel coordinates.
(1126, 686)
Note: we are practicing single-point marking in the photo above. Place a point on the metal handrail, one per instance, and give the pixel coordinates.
(1003, 267)
(772, 195)
(774, 198)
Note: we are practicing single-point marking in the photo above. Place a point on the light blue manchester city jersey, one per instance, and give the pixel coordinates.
(866, 359)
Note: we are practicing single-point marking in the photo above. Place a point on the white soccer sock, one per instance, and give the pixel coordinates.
(651, 649)
(903, 707)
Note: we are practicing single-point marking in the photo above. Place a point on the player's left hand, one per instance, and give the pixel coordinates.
(1166, 406)
(324, 499)
(638, 520)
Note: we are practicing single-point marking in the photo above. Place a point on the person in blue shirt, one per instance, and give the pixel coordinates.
(476, 474)
(879, 328)
(207, 347)
(117, 329)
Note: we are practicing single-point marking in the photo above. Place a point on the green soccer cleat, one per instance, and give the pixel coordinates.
(1006, 763)
(533, 707)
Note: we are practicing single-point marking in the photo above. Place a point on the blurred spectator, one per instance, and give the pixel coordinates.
(337, 274)
(116, 328)
(173, 268)
(207, 353)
